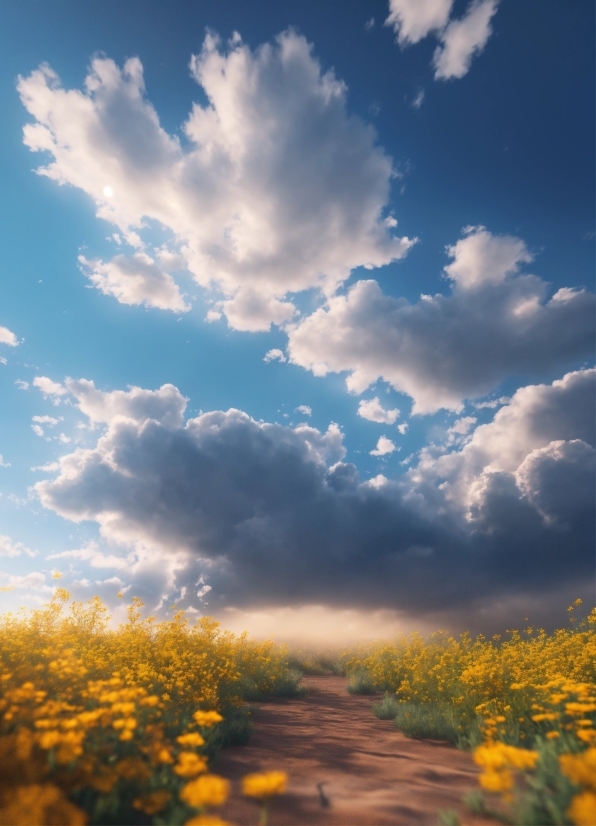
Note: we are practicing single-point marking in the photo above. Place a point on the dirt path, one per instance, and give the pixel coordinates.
(371, 774)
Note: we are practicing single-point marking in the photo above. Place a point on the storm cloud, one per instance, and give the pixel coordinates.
(273, 515)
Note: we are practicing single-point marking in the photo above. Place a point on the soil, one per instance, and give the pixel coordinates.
(345, 767)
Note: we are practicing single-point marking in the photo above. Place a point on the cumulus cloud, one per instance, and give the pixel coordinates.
(413, 20)
(373, 410)
(165, 405)
(304, 409)
(270, 515)
(273, 355)
(8, 337)
(537, 417)
(135, 279)
(460, 428)
(278, 188)
(496, 322)
(50, 389)
(384, 447)
(462, 39)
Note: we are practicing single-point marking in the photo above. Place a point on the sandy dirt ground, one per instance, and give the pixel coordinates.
(345, 767)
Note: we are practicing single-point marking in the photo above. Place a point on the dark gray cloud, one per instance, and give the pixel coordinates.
(270, 515)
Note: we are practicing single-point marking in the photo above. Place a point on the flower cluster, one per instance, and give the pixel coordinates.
(103, 724)
(526, 702)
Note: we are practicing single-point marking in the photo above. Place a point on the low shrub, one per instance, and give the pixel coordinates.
(361, 682)
(387, 709)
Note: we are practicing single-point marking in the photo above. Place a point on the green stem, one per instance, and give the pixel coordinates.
(263, 817)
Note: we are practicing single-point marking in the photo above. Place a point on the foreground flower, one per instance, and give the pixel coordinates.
(582, 810)
(206, 820)
(580, 768)
(207, 718)
(190, 764)
(39, 805)
(209, 790)
(263, 786)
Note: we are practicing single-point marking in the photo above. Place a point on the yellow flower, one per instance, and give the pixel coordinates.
(207, 718)
(582, 810)
(190, 764)
(208, 790)
(192, 739)
(552, 735)
(264, 785)
(580, 768)
(164, 756)
(39, 805)
(496, 780)
(49, 739)
(206, 820)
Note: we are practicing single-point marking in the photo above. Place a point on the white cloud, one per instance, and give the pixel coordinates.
(10, 548)
(272, 355)
(481, 258)
(373, 410)
(135, 279)
(304, 409)
(8, 337)
(96, 558)
(47, 420)
(464, 38)
(461, 427)
(496, 322)
(536, 417)
(3, 463)
(413, 20)
(384, 447)
(22, 385)
(254, 312)
(50, 467)
(49, 388)
(419, 99)
(277, 190)
(403, 428)
(34, 580)
(492, 403)
(37, 429)
(165, 405)
(459, 40)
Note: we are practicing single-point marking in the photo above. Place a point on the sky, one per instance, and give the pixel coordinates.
(297, 311)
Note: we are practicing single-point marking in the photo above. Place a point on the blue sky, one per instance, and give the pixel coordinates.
(400, 214)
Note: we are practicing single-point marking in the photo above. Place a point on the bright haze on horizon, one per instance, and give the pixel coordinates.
(297, 311)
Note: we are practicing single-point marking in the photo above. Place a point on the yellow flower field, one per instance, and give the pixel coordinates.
(526, 705)
(121, 726)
